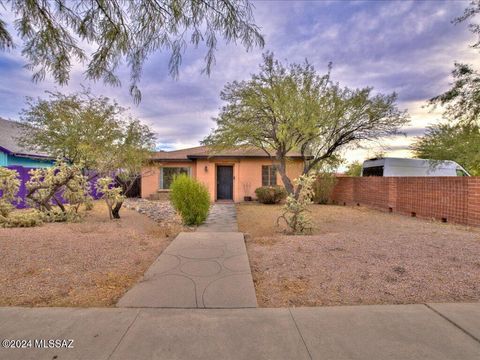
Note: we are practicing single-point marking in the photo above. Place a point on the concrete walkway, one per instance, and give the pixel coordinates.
(403, 332)
(222, 217)
(197, 270)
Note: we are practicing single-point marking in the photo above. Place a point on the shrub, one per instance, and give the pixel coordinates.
(190, 198)
(323, 187)
(23, 218)
(270, 194)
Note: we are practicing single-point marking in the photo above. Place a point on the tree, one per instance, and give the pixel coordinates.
(446, 141)
(470, 12)
(281, 109)
(92, 131)
(354, 169)
(58, 33)
(462, 100)
(459, 138)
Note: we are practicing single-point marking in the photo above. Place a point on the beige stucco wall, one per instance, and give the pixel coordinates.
(151, 176)
(247, 175)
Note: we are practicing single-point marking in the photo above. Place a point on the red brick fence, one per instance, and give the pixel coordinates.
(449, 199)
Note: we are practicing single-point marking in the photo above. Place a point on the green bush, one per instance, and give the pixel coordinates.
(271, 194)
(323, 187)
(22, 218)
(190, 198)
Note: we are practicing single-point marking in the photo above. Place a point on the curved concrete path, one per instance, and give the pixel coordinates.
(197, 270)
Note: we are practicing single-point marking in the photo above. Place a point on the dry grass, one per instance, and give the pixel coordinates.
(360, 256)
(91, 263)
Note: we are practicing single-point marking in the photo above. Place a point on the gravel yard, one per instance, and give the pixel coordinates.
(360, 256)
(91, 263)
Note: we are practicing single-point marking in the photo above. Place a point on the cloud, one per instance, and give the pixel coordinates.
(404, 46)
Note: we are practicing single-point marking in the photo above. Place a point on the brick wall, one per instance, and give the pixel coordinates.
(451, 199)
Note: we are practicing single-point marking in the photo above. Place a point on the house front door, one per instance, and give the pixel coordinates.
(224, 182)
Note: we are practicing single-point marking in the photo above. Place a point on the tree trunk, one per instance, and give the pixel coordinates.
(282, 169)
(116, 210)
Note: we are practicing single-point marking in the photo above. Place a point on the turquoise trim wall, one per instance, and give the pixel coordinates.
(3, 159)
(9, 160)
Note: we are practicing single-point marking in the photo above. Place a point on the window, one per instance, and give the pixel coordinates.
(168, 173)
(269, 175)
(460, 172)
(373, 171)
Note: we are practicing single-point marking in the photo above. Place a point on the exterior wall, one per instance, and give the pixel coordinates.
(3, 159)
(11, 160)
(247, 175)
(452, 199)
(150, 183)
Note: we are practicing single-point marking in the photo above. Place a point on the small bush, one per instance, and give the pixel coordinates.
(191, 199)
(23, 218)
(323, 187)
(270, 194)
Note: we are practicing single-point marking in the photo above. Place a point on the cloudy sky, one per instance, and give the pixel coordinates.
(404, 46)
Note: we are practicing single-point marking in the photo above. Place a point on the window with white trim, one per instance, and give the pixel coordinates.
(269, 175)
(168, 173)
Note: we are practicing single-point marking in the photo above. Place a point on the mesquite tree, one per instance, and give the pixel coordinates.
(93, 131)
(285, 108)
(105, 34)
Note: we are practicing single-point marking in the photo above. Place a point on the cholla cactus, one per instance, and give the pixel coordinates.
(9, 185)
(110, 193)
(47, 185)
(296, 209)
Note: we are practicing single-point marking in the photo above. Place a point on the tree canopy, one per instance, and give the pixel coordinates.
(286, 108)
(354, 169)
(82, 128)
(104, 34)
(446, 141)
(462, 100)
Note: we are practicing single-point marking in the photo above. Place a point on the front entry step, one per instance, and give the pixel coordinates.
(197, 270)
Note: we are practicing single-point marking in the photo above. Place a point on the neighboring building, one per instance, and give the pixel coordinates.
(12, 154)
(228, 175)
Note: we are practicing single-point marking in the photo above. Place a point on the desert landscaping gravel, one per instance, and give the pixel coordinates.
(91, 263)
(360, 256)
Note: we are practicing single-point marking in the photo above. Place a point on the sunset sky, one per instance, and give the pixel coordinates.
(404, 47)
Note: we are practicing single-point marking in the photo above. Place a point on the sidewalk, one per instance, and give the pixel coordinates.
(434, 331)
(197, 270)
(221, 217)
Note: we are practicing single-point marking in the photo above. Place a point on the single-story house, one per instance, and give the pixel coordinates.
(229, 174)
(12, 154)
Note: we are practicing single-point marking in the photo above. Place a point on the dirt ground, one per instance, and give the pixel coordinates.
(91, 263)
(360, 256)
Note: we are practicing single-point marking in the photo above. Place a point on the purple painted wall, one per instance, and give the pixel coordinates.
(24, 177)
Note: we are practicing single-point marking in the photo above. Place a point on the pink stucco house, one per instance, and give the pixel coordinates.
(229, 174)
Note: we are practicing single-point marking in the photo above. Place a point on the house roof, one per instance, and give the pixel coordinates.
(9, 132)
(201, 152)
